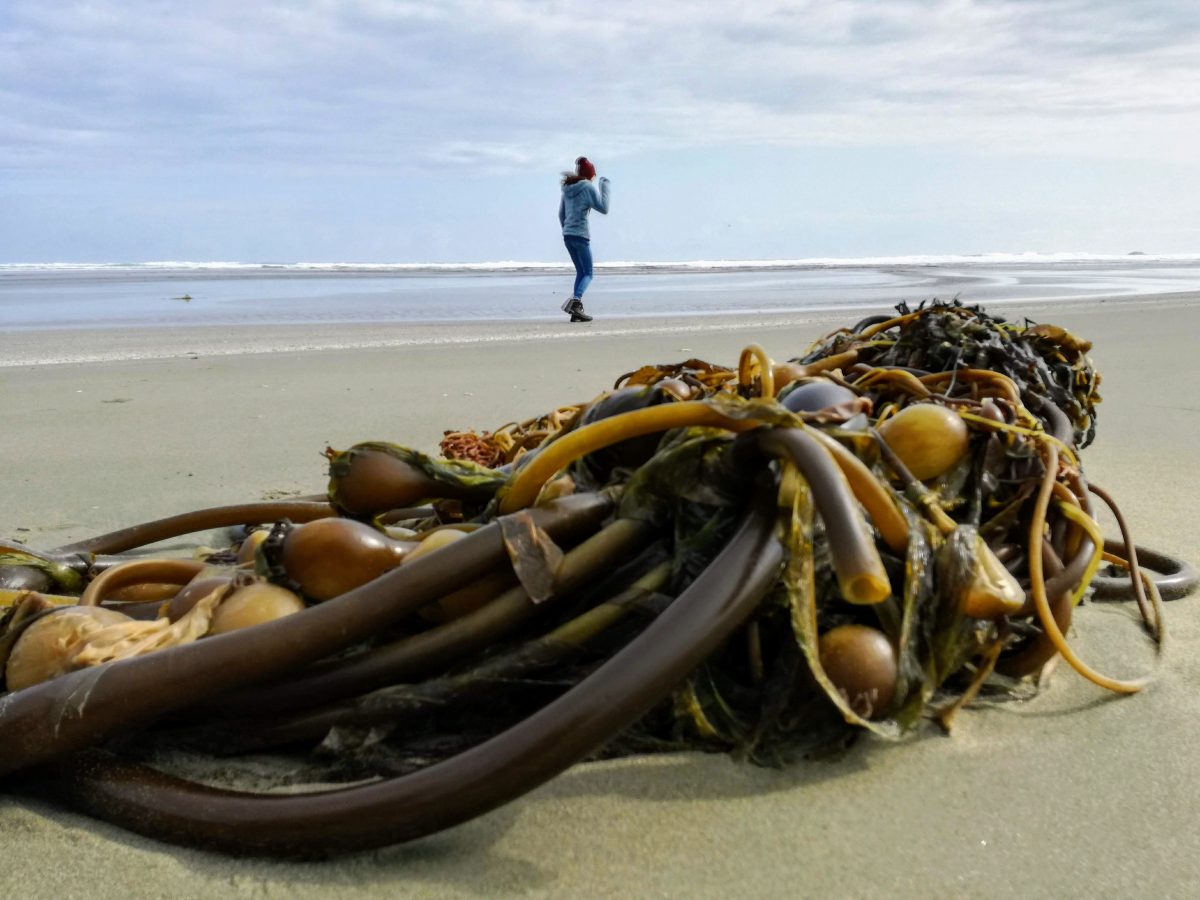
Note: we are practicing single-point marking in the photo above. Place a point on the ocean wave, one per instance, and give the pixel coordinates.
(701, 265)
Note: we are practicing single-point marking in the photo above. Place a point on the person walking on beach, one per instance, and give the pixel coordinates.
(579, 197)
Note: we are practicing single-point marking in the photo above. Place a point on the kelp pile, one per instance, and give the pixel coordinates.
(764, 560)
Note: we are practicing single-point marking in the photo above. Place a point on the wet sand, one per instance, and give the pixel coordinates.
(1074, 793)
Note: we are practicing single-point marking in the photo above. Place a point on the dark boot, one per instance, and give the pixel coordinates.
(577, 313)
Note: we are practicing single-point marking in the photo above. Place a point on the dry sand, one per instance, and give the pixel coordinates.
(1074, 793)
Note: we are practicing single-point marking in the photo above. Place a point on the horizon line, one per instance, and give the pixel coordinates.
(501, 265)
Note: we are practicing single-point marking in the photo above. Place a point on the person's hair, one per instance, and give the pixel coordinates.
(584, 171)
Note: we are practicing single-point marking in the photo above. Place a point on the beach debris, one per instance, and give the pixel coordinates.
(279, 493)
(765, 560)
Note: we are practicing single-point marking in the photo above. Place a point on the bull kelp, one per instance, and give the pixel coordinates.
(766, 559)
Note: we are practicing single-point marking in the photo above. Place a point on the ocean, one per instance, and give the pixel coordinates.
(37, 297)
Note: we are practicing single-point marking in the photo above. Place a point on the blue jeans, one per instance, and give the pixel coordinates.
(580, 249)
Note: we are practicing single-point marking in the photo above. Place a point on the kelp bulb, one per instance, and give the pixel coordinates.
(814, 396)
(785, 373)
(677, 388)
(45, 648)
(435, 541)
(246, 551)
(993, 591)
(374, 481)
(861, 663)
(254, 604)
(193, 592)
(928, 439)
(328, 557)
(631, 452)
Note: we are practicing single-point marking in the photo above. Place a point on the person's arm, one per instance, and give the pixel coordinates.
(600, 198)
(562, 211)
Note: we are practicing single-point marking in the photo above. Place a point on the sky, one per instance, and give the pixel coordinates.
(409, 131)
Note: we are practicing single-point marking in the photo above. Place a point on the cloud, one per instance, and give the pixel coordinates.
(508, 84)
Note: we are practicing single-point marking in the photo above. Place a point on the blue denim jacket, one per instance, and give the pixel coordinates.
(577, 199)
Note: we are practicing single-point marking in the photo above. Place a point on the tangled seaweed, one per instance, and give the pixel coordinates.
(765, 560)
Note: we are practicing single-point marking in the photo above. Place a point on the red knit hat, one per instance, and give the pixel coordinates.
(585, 168)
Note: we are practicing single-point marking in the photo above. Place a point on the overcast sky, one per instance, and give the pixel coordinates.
(391, 131)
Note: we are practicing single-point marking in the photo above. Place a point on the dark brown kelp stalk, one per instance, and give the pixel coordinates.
(199, 520)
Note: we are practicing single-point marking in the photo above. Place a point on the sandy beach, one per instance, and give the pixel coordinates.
(1076, 793)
